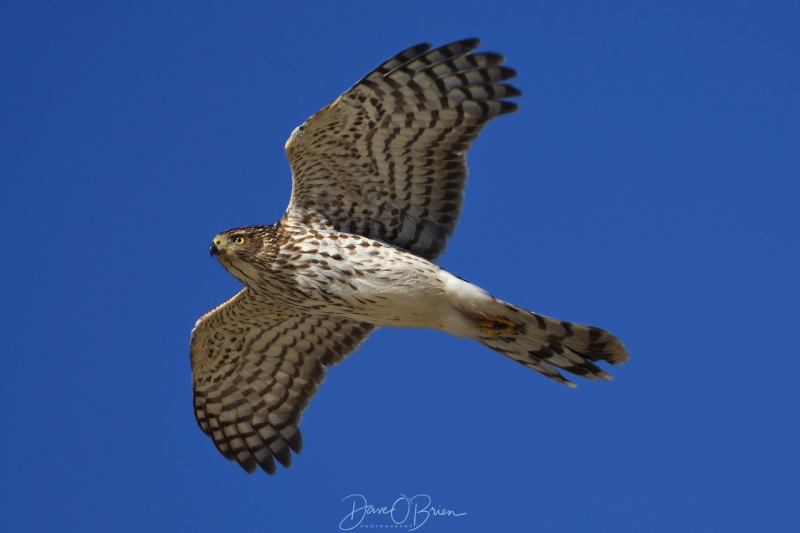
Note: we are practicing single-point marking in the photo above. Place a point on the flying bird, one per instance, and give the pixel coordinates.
(378, 183)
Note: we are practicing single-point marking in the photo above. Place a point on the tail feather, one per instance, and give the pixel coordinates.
(546, 344)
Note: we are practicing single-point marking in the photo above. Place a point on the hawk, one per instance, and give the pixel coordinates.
(378, 183)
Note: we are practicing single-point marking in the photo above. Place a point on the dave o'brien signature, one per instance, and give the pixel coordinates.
(413, 512)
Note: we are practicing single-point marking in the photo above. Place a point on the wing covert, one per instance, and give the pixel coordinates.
(255, 367)
(387, 159)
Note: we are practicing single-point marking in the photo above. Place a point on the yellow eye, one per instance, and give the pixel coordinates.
(239, 240)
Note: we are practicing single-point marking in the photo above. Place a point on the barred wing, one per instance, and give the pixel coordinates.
(256, 365)
(387, 159)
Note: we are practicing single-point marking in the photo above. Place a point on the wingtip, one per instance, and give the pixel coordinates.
(507, 107)
(506, 73)
(418, 48)
(461, 46)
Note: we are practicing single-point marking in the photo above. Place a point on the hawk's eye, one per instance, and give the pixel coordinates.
(239, 240)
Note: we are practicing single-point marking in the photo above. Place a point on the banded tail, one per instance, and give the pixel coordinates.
(545, 344)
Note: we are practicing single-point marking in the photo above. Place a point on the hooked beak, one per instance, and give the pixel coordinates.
(216, 246)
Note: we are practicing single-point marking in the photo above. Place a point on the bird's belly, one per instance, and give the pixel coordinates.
(387, 297)
(378, 283)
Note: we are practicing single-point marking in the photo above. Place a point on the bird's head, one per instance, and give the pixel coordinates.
(240, 250)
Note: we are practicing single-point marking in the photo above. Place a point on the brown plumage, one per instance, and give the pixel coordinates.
(379, 177)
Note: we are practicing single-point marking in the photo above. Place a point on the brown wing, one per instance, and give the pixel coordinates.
(387, 159)
(256, 365)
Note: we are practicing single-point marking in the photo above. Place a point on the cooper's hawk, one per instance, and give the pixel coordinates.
(378, 184)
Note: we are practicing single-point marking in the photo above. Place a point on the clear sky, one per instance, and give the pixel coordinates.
(649, 184)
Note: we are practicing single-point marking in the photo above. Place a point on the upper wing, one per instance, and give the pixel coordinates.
(387, 159)
(256, 365)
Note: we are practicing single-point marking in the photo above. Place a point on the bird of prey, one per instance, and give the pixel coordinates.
(378, 183)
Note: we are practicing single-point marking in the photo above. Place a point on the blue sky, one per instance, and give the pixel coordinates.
(649, 184)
